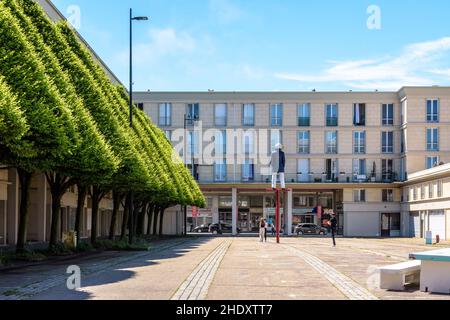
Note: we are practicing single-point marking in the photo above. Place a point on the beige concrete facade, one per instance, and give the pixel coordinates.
(408, 122)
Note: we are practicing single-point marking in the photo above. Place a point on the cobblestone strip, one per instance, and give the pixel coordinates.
(197, 284)
(35, 288)
(347, 286)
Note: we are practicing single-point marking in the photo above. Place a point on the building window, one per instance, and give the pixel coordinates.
(248, 114)
(388, 195)
(168, 135)
(276, 115)
(165, 114)
(359, 114)
(331, 142)
(275, 138)
(220, 144)
(439, 188)
(431, 191)
(387, 142)
(422, 192)
(359, 195)
(402, 141)
(388, 114)
(193, 113)
(332, 115)
(331, 170)
(193, 144)
(359, 169)
(303, 142)
(433, 139)
(248, 143)
(415, 193)
(303, 170)
(220, 171)
(432, 162)
(387, 170)
(432, 110)
(304, 115)
(248, 170)
(140, 106)
(359, 142)
(220, 115)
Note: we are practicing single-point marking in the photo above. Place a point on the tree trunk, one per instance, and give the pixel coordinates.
(117, 199)
(126, 214)
(82, 192)
(136, 211)
(150, 212)
(161, 221)
(25, 181)
(155, 219)
(97, 196)
(58, 187)
(141, 220)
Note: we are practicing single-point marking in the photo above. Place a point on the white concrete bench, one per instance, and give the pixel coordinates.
(395, 277)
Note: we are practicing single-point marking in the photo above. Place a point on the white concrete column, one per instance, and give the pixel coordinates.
(289, 212)
(234, 210)
(13, 207)
(215, 209)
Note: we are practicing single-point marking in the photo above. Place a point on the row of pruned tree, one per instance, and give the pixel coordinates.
(61, 115)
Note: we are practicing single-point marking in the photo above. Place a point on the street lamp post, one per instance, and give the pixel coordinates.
(191, 119)
(130, 208)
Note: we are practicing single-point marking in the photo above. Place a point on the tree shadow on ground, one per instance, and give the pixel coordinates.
(119, 273)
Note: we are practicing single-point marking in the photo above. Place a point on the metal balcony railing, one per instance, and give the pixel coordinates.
(332, 121)
(325, 178)
(304, 122)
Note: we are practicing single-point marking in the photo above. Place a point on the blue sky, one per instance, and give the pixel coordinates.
(274, 45)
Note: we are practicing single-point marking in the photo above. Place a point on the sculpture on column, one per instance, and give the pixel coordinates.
(278, 164)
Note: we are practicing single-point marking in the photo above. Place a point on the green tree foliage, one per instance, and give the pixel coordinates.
(92, 158)
(53, 133)
(13, 125)
(61, 114)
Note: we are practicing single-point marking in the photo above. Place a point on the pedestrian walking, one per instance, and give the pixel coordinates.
(333, 226)
(273, 230)
(262, 230)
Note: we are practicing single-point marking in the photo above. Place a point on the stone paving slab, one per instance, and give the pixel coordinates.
(156, 276)
(265, 271)
(35, 281)
(197, 284)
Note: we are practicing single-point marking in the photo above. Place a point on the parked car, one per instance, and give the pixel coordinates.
(310, 228)
(202, 228)
(223, 228)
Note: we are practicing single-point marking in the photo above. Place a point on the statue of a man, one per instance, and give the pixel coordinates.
(278, 164)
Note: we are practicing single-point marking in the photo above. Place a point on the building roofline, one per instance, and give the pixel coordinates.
(96, 56)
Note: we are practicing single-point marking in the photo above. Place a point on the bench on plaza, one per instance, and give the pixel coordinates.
(396, 277)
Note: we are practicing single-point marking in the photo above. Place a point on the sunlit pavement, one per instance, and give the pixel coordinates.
(229, 268)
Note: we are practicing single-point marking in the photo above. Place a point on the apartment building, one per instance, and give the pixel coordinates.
(347, 152)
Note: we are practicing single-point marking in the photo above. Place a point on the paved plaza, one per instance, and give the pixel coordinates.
(226, 268)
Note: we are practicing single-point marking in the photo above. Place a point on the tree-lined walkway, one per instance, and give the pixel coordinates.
(226, 268)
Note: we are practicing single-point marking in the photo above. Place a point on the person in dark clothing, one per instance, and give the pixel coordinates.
(333, 226)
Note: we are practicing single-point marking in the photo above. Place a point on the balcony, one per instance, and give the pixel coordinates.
(300, 178)
(332, 121)
(304, 122)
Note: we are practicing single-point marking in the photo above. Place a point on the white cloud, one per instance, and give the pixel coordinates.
(412, 67)
(165, 42)
(225, 11)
